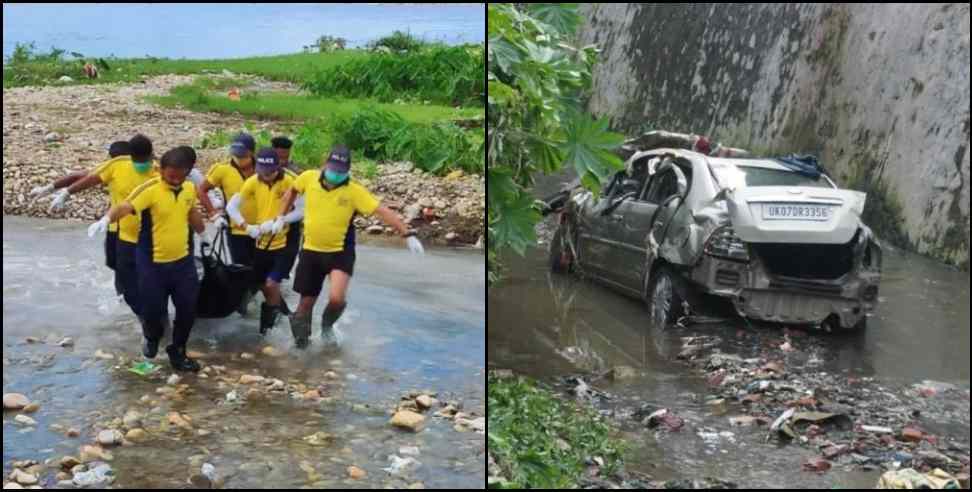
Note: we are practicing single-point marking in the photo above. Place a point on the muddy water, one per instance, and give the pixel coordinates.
(548, 326)
(412, 324)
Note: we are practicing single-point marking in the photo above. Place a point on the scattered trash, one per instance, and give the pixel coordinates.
(817, 465)
(909, 479)
(788, 422)
(143, 368)
(664, 418)
(877, 430)
(401, 466)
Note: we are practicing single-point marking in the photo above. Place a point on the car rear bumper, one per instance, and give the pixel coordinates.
(759, 295)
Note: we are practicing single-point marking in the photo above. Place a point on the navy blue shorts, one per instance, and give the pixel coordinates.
(271, 265)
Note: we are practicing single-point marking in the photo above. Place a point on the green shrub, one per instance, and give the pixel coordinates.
(451, 75)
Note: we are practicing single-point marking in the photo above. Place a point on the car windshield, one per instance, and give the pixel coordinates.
(735, 177)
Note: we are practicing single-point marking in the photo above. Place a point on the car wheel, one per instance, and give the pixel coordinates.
(560, 258)
(665, 301)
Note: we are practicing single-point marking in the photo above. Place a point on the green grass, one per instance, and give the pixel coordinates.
(209, 95)
(527, 427)
(46, 69)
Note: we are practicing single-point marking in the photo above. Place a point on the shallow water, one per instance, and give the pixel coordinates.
(411, 324)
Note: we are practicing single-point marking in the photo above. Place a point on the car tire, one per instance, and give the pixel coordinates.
(560, 258)
(664, 299)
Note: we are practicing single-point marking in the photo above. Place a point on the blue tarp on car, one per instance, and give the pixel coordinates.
(805, 165)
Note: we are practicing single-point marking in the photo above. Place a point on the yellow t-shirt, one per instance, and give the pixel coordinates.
(327, 214)
(119, 175)
(268, 199)
(229, 179)
(166, 217)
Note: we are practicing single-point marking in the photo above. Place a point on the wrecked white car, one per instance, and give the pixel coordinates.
(775, 237)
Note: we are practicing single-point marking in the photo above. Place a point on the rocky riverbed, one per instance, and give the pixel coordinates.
(52, 131)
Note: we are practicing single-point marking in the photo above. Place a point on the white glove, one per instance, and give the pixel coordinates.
(98, 227)
(42, 190)
(266, 227)
(253, 231)
(278, 225)
(414, 245)
(220, 222)
(60, 198)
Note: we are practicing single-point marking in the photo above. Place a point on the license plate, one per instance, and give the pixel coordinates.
(820, 213)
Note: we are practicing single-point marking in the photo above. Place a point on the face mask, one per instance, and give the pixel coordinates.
(335, 178)
(142, 167)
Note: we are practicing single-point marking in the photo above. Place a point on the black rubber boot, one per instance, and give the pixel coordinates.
(245, 302)
(268, 317)
(150, 348)
(331, 315)
(180, 361)
(300, 327)
(284, 308)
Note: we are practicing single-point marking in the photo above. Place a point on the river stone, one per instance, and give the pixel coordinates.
(356, 473)
(94, 453)
(69, 462)
(250, 379)
(25, 420)
(408, 420)
(110, 437)
(14, 401)
(135, 435)
(426, 402)
(23, 478)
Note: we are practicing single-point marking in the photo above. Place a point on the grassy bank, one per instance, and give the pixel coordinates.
(46, 68)
(209, 95)
(540, 441)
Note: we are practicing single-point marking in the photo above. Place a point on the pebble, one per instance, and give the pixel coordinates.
(25, 420)
(136, 435)
(14, 401)
(426, 402)
(100, 354)
(250, 379)
(408, 420)
(356, 473)
(110, 437)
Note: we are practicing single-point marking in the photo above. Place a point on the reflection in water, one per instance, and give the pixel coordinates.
(547, 326)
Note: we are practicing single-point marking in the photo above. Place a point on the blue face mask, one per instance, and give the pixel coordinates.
(142, 167)
(335, 178)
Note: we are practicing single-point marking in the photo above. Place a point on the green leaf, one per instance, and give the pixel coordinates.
(561, 16)
(500, 94)
(515, 227)
(500, 186)
(588, 145)
(504, 54)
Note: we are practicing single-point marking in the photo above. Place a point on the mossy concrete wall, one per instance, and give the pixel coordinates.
(880, 92)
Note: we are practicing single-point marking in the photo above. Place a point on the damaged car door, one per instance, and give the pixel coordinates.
(596, 227)
(667, 192)
(631, 221)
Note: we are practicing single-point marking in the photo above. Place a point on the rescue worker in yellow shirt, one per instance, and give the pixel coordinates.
(266, 190)
(331, 199)
(228, 176)
(164, 253)
(121, 175)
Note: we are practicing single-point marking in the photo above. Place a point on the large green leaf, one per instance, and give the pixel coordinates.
(561, 16)
(588, 145)
(515, 227)
(504, 54)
